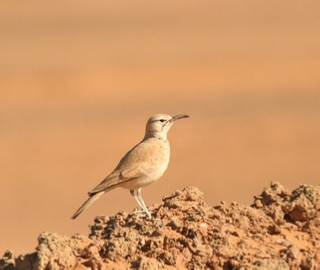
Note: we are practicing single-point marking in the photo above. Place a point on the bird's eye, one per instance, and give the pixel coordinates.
(161, 120)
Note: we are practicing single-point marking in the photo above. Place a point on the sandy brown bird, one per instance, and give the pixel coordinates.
(142, 165)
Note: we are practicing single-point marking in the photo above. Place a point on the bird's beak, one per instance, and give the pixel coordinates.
(179, 116)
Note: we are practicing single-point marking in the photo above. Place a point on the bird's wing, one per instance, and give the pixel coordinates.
(118, 177)
(133, 165)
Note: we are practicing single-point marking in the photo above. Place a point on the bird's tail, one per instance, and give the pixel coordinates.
(87, 203)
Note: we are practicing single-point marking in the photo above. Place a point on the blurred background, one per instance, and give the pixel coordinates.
(79, 79)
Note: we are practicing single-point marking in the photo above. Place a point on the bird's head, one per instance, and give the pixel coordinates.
(158, 125)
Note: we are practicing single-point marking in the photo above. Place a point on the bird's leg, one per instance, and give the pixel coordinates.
(138, 198)
(132, 192)
(142, 202)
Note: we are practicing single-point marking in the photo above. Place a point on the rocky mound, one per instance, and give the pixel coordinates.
(281, 230)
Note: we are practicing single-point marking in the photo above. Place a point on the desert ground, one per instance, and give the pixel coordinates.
(80, 79)
(279, 231)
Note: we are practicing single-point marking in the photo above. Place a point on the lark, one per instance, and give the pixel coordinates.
(144, 164)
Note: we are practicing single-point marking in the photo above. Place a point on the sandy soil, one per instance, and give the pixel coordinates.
(79, 81)
(279, 231)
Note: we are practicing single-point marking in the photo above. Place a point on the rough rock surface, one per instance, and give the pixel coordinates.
(280, 230)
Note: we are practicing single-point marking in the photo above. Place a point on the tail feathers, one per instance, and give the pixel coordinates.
(87, 203)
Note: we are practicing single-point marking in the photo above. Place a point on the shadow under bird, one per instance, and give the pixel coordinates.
(142, 165)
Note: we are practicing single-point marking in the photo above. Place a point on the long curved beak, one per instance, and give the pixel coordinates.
(179, 116)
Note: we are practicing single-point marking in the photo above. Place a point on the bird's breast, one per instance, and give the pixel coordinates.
(158, 159)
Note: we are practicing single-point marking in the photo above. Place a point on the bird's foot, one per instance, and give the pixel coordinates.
(141, 212)
(137, 211)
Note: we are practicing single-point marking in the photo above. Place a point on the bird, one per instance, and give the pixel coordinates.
(144, 164)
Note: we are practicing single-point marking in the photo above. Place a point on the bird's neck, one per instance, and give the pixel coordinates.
(156, 135)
